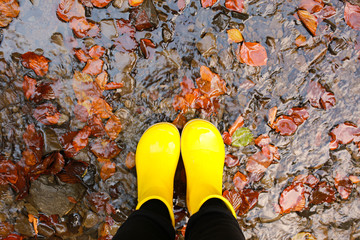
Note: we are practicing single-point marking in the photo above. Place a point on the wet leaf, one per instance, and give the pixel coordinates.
(135, 3)
(102, 79)
(352, 15)
(147, 48)
(14, 236)
(98, 200)
(93, 67)
(241, 137)
(84, 28)
(292, 199)
(271, 152)
(107, 170)
(354, 179)
(303, 236)
(8, 172)
(309, 180)
(187, 85)
(8, 9)
(130, 160)
(309, 20)
(85, 88)
(207, 3)
(343, 185)
(234, 198)
(5, 229)
(113, 85)
(96, 51)
(262, 140)
(100, 3)
(47, 114)
(315, 91)
(81, 55)
(52, 164)
(240, 181)
(311, 6)
(252, 54)
(66, 141)
(29, 86)
(81, 113)
(68, 9)
(106, 149)
(234, 35)
(344, 133)
(299, 115)
(39, 64)
(180, 121)
(29, 158)
(258, 163)
(326, 12)
(181, 4)
(96, 125)
(101, 108)
(285, 125)
(81, 139)
(34, 140)
(231, 161)
(249, 199)
(227, 138)
(73, 172)
(322, 193)
(327, 100)
(210, 83)
(239, 122)
(235, 5)
(113, 127)
(126, 41)
(300, 40)
(272, 115)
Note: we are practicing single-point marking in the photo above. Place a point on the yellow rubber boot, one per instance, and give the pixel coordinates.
(203, 153)
(157, 156)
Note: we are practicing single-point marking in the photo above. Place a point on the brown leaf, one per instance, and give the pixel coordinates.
(81, 113)
(234, 198)
(68, 9)
(81, 139)
(235, 5)
(327, 100)
(113, 127)
(93, 67)
(102, 79)
(210, 83)
(207, 3)
(34, 140)
(292, 198)
(249, 199)
(96, 125)
(98, 200)
(285, 125)
(84, 28)
(352, 15)
(29, 86)
(130, 160)
(113, 85)
(258, 163)
(106, 149)
(39, 64)
(126, 41)
(299, 115)
(100, 3)
(147, 48)
(47, 114)
(52, 164)
(309, 180)
(252, 54)
(73, 172)
(85, 88)
(343, 185)
(322, 193)
(309, 20)
(231, 161)
(107, 170)
(227, 138)
(8, 172)
(240, 181)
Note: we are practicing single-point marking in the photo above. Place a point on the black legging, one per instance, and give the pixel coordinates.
(152, 221)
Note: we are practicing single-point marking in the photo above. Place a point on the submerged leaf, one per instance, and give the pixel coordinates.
(235, 5)
(84, 28)
(299, 115)
(240, 181)
(135, 3)
(343, 185)
(38, 63)
(234, 198)
(241, 137)
(239, 122)
(113, 127)
(253, 54)
(96, 51)
(105, 149)
(207, 3)
(29, 86)
(303, 236)
(68, 9)
(130, 160)
(322, 193)
(8, 172)
(100, 3)
(9, 9)
(93, 67)
(258, 163)
(309, 20)
(285, 125)
(311, 6)
(47, 114)
(292, 198)
(344, 133)
(107, 170)
(231, 161)
(147, 48)
(352, 15)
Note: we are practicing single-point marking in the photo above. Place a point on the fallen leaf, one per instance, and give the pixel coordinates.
(102, 79)
(241, 137)
(352, 15)
(104, 148)
(344, 133)
(85, 88)
(73, 172)
(147, 48)
(126, 41)
(235, 5)
(181, 4)
(303, 236)
(81, 113)
(14, 236)
(5, 229)
(258, 163)
(322, 193)
(130, 160)
(187, 85)
(84, 28)
(9, 9)
(354, 179)
(271, 152)
(207, 3)
(234, 198)
(72, 200)
(101, 108)
(249, 199)
(252, 54)
(227, 138)
(51, 164)
(66, 141)
(231, 160)
(315, 91)
(309, 180)
(311, 6)
(8, 172)
(285, 125)
(96, 125)
(38, 63)
(29, 158)
(96, 51)
(113, 127)
(93, 67)
(327, 100)
(100, 3)
(98, 200)
(240, 181)
(239, 122)
(210, 83)
(34, 140)
(309, 20)
(81, 55)
(113, 85)
(29, 87)
(300, 41)
(180, 121)
(34, 221)
(326, 12)
(135, 3)
(80, 141)
(299, 115)
(234, 35)
(68, 9)
(47, 114)
(272, 115)
(343, 185)
(292, 199)
(262, 140)
(107, 170)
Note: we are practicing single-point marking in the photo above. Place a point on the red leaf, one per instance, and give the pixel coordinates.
(39, 64)
(227, 138)
(8, 9)
(179, 103)
(105, 149)
(252, 54)
(352, 15)
(271, 152)
(309, 20)
(239, 122)
(81, 113)
(29, 158)
(147, 48)
(285, 125)
(234, 198)
(8, 172)
(100, 3)
(327, 100)
(326, 12)
(13, 236)
(66, 141)
(68, 9)
(262, 140)
(93, 67)
(81, 139)
(258, 163)
(309, 180)
(343, 185)
(181, 5)
(21, 187)
(299, 115)
(73, 172)
(96, 51)
(33, 140)
(29, 86)
(292, 198)
(210, 83)
(81, 55)
(322, 193)
(344, 133)
(235, 5)
(240, 181)
(231, 161)
(315, 91)
(207, 3)
(311, 6)
(52, 164)
(98, 200)
(83, 28)
(96, 125)
(113, 127)
(47, 114)
(130, 160)
(249, 199)
(107, 170)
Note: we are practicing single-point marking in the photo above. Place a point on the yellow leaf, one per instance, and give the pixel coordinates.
(234, 35)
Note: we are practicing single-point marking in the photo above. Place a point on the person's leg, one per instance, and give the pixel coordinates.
(152, 221)
(214, 221)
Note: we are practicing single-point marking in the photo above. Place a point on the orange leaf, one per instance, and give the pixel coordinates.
(72, 200)
(101, 108)
(81, 139)
(309, 20)
(300, 40)
(47, 114)
(96, 51)
(83, 28)
(147, 48)
(102, 79)
(81, 55)
(234, 35)
(100, 3)
(262, 140)
(252, 54)
(234, 198)
(206, 74)
(292, 198)
(239, 122)
(231, 161)
(106, 149)
(135, 3)
(107, 170)
(29, 86)
(93, 67)
(9, 9)
(207, 3)
(113, 127)
(285, 125)
(240, 181)
(354, 179)
(70, 8)
(130, 160)
(8, 172)
(272, 115)
(235, 5)
(352, 15)
(35, 222)
(39, 64)
(311, 6)
(113, 85)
